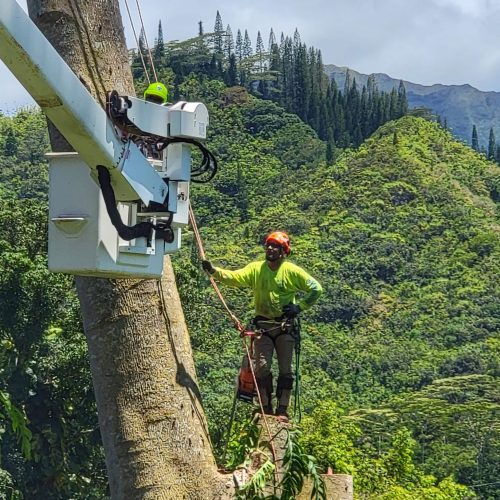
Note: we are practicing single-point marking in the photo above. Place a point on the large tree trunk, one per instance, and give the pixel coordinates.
(152, 424)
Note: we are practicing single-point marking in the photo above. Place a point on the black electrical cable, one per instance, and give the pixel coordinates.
(141, 230)
(208, 166)
(204, 172)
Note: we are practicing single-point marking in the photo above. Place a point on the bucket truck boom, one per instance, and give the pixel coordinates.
(84, 235)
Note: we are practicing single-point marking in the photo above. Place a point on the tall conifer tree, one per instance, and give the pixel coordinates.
(347, 83)
(287, 87)
(492, 147)
(297, 42)
(274, 69)
(259, 51)
(271, 42)
(475, 139)
(238, 48)
(402, 105)
(142, 42)
(228, 43)
(218, 36)
(247, 45)
(231, 76)
(302, 84)
(159, 50)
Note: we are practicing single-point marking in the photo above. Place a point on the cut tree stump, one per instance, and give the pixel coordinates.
(338, 486)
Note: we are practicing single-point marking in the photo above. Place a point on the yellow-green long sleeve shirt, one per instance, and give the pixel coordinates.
(273, 289)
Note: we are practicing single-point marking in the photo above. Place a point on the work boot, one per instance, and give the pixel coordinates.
(281, 411)
(268, 410)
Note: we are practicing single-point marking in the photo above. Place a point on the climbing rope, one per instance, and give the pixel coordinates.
(237, 324)
(297, 412)
(146, 40)
(143, 32)
(137, 42)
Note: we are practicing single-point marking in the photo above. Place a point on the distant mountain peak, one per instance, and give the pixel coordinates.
(462, 106)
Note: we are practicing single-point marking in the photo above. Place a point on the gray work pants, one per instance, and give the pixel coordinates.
(264, 347)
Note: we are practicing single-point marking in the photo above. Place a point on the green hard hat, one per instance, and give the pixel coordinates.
(156, 92)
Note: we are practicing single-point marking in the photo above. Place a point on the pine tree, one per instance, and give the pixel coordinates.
(272, 41)
(287, 75)
(142, 43)
(402, 106)
(492, 147)
(259, 51)
(393, 105)
(318, 106)
(301, 82)
(218, 36)
(330, 152)
(297, 42)
(273, 88)
(475, 139)
(371, 86)
(228, 43)
(231, 76)
(347, 82)
(247, 46)
(139, 58)
(159, 51)
(364, 113)
(239, 47)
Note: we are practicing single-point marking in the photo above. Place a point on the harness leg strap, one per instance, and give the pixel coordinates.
(285, 383)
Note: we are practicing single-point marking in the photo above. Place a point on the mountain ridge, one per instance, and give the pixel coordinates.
(462, 106)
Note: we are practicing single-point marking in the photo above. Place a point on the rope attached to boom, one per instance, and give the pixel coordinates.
(146, 40)
(237, 323)
(138, 45)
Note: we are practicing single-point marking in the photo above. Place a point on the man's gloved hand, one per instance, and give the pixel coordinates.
(291, 310)
(207, 266)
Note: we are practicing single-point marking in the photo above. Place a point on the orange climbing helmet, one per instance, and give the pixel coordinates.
(279, 238)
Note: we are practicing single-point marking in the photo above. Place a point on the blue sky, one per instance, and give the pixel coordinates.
(423, 41)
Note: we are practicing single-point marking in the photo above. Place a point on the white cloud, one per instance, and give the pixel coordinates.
(468, 7)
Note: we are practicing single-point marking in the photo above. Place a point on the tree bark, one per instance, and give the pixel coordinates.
(152, 423)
